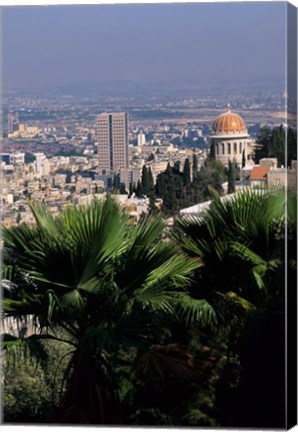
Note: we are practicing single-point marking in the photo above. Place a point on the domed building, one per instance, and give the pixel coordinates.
(230, 139)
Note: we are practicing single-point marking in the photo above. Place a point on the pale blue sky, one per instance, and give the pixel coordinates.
(147, 44)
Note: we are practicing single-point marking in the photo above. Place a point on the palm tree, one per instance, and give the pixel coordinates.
(238, 243)
(241, 244)
(103, 287)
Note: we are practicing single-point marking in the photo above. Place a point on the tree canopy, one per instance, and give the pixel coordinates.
(146, 325)
(178, 191)
(272, 143)
(106, 284)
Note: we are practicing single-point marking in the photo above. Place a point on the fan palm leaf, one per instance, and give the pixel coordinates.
(238, 238)
(103, 282)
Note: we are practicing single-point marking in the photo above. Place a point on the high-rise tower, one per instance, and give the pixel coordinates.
(112, 139)
(10, 121)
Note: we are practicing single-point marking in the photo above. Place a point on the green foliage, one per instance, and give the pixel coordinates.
(262, 144)
(271, 143)
(277, 144)
(115, 183)
(147, 182)
(210, 176)
(212, 155)
(151, 182)
(169, 187)
(177, 191)
(139, 189)
(25, 395)
(238, 238)
(176, 166)
(106, 284)
(186, 172)
(243, 159)
(122, 189)
(291, 145)
(141, 329)
(29, 158)
(72, 152)
(231, 178)
(131, 189)
(31, 390)
(194, 166)
(243, 239)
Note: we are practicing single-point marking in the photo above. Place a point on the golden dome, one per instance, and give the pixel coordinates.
(229, 123)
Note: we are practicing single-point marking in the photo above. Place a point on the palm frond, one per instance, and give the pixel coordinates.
(247, 254)
(73, 301)
(238, 300)
(169, 277)
(44, 218)
(29, 348)
(143, 254)
(164, 361)
(136, 328)
(195, 310)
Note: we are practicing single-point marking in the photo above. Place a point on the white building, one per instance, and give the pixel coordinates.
(42, 164)
(13, 158)
(141, 139)
(230, 139)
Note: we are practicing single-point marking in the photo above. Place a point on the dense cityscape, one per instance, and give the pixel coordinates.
(50, 143)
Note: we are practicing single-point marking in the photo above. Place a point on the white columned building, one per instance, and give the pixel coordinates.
(231, 140)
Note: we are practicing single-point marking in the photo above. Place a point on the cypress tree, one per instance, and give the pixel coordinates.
(115, 183)
(130, 189)
(194, 167)
(161, 184)
(292, 145)
(168, 168)
(139, 190)
(150, 179)
(212, 152)
(263, 144)
(231, 179)
(122, 189)
(152, 207)
(145, 180)
(243, 159)
(277, 144)
(177, 166)
(151, 192)
(151, 157)
(186, 172)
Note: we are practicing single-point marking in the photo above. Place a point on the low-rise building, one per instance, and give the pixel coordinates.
(130, 176)
(283, 176)
(15, 158)
(258, 176)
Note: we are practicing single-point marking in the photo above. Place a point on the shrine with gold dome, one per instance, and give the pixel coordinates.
(231, 140)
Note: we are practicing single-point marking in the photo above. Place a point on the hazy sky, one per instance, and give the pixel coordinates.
(179, 44)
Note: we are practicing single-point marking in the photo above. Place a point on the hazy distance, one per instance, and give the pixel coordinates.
(145, 47)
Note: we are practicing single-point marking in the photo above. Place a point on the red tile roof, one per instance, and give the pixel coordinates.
(259, 172)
